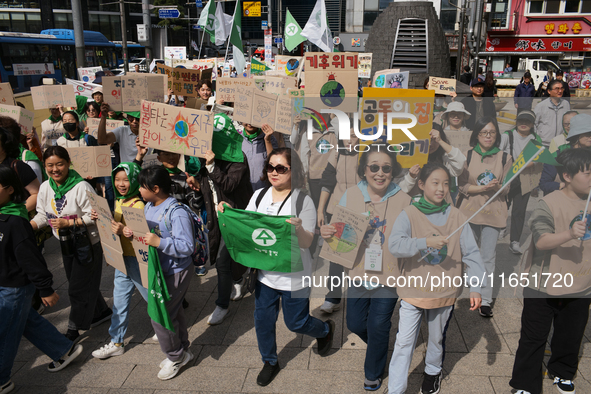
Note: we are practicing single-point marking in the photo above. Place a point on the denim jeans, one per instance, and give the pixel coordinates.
(125, 285)
(296, 313)
(487, 238)
(17, 319)
(369, 314)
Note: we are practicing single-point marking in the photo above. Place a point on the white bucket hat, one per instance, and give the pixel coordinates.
(455, 106)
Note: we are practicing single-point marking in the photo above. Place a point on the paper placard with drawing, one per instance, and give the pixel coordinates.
(93, 124)
(6, 96)
(392, 80)
(364, 64)
(23, 117)
(114, 254)
(459, 139)
(185, 82)
(243, 104)
(150, 160)
(126, 93)
(445, 86)
(288, 65)
(50, 96)
(175, 129)
(280, 85)
(87, 74)
(94, 161)
(135, 219)
(342, 248)
(264, 107)
(226, 88)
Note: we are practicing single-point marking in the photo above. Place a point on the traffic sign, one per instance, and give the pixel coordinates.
(169, 13)
(199, 3)
(278, 40)
(264, 25)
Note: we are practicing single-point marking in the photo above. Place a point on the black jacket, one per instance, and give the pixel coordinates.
(470, 105)
(21, 261)
(466, 78)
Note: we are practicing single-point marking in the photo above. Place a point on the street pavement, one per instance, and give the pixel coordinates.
(479, 352)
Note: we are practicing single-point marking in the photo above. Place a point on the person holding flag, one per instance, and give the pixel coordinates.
(484, 171)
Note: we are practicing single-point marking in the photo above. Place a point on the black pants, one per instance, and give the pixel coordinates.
(569, 317)
(84, 281)
(229, 271)
(518, 211)
(315, 191)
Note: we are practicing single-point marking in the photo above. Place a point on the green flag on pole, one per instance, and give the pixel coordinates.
(257, 67)
(157, 291)
(531, 149)
(209, 26)
(292, 32)
(260, 241)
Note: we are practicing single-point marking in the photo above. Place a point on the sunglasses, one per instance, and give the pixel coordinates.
(279, 168)
(375, 168)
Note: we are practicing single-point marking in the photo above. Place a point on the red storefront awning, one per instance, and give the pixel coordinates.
(533, 45)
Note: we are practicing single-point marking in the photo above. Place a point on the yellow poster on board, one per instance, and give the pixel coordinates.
(251, 8)
(408, 106)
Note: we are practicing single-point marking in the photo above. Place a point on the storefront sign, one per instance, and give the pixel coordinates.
(538, 44)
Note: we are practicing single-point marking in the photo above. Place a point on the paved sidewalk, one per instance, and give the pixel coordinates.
(479, 357)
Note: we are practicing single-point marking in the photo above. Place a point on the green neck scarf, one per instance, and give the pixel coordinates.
(427, 208)
(173, 171)
(81, 135)
(55, 120)
(491, 152)
(29, 156)
(251, 137)
(72, 180)
(132, 171)
(11, 208)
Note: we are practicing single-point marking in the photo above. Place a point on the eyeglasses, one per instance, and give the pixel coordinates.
(487, 133)
(375, 168)
(279, 168)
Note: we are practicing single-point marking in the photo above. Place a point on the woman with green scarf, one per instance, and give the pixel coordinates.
(484, 171)
(52, 128)
(74, 137)
(419, 241)
(64, 205)
(127, 193)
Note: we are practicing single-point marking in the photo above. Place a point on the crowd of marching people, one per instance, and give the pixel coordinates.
(415, 215)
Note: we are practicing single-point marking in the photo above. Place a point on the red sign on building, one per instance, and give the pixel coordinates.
(538, 44)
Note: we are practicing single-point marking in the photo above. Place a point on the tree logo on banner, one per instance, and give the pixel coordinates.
(219, 123)
(435, 256)
(210, 22)
(264, 237)
(579, 218)
(291, 29)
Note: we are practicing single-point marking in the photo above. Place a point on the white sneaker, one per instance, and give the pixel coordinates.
(329, 307)
(237, 293)
(514, 247)
(164, 362)
(218, 316)
(522, 392)
(155, 338)
(109, 350)
(170, 369)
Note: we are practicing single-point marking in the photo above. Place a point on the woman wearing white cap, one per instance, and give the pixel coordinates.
(454, 118)
(97, 95)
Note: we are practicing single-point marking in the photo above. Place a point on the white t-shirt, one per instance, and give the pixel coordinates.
(281, 280)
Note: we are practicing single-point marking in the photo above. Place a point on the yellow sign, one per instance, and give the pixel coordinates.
(251, 8)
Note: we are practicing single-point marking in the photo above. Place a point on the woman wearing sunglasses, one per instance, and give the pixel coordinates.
(484, 171)
(283, 170)
(369, 305)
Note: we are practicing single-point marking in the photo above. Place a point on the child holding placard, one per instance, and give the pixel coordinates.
(421, 229)
(127, 190)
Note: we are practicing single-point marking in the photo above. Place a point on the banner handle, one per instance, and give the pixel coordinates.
(494, 196)
(586, 207)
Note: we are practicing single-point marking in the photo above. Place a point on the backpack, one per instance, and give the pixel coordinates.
(299, 200)
(512, 139)
(201, 252)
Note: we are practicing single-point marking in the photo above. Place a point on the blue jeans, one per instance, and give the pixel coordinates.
(296, 313)
(368, 315)
(17, 319)
(125, 285)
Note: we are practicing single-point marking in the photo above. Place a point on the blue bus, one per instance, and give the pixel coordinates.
(26, 58)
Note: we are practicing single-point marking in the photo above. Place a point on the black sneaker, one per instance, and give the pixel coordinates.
(267, 374)
(97, 321)
(324, 344)
(72, 335)
(62, 363)
(564, 386)
(485, 311)
(185, 304)
(431, 384)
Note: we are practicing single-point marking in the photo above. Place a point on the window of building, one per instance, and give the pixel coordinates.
(4, 21)
(369, 17)
(572, 6)
(63, 21)
(33, 22)
(62, 4)
(18, 22)
(559, 6)
(447, 16)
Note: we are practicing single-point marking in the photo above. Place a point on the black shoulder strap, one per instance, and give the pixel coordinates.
(511, 139)
(469, 157)
(300, 203)
(504, 159)
(260, 196)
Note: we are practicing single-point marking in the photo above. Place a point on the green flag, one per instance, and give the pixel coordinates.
(292, 32)
(530, 150)
(260, 241)
(257, 67)
(236, 39)
(157, 291)
(226, 142)
(209, 26)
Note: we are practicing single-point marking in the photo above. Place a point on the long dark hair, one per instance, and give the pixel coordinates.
(489, 80)
(155, 176)
(298, 179)
(8, 144)
(8, 177)
(481, 124)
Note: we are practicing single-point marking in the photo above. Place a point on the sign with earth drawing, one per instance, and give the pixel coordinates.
(331, 80)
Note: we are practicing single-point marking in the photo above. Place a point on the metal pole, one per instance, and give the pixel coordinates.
(124, 36)
(478, 21)
(78, 33)
(269, 14)
(201, 46)
(147, 19)
(190, 27)
(460, 52)
(280, 24)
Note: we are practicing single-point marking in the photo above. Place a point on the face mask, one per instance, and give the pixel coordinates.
(70, 127)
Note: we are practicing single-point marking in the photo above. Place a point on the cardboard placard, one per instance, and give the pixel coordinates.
(284, 115)
(378, 102)
(185, 82)
(260, 83)
(243, 104)
(442, 85)
(94, 161)
(50, 96)
(23, 117)
(288, 65)
(331, 80)
(344, 245)
(391, 79)
(150, 160)
(197, 103)
(126, 93)
(135, 219)
(226, 88)
(110, 242)
(6, 96)
(93, 124)
(87, 74)
(264, 108)
(530, 178)
(459, 139)
(364, 64)
(176, 129)
(280, 85)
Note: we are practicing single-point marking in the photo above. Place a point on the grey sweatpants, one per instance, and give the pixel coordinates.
(173, 344)
(409, 326)
(487, 237)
